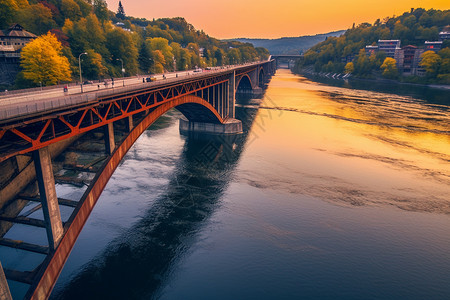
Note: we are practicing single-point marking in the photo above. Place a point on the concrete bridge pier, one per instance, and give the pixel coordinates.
(223, 100)
(49, 200)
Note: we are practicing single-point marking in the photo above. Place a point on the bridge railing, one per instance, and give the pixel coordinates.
(34, 105)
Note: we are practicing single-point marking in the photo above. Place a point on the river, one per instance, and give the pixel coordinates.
(332, 192)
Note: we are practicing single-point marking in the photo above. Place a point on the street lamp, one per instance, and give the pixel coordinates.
(79, 65)
(123, 71)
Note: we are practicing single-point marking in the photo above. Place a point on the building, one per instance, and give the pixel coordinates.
(445, 33)
(409, 59)
(433, 46)
(371, 50)
(13, 39)
(391, 47)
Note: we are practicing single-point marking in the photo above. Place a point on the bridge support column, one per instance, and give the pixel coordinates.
(4, 287)
(129, 123)
(110, 145)
(49, 200)
(232, 95)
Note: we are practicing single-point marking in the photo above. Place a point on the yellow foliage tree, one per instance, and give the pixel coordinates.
(42, 61)
(389, 68)
(349, 68)
(430, 62)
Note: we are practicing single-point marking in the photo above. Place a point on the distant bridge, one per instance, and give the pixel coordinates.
(36, 127)
(285, 57)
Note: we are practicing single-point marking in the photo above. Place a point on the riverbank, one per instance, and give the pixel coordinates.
(308, 72)
(436, 94)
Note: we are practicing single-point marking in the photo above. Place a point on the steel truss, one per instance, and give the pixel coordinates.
(24, 136)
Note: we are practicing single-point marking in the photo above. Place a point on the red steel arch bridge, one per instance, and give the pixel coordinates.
(36, 126)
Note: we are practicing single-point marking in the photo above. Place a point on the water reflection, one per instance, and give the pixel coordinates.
(136, 264)
(431, 95)
(353, 147)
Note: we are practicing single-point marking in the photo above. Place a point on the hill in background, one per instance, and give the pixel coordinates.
(290, 45)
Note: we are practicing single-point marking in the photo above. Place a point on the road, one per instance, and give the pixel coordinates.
(35, 101)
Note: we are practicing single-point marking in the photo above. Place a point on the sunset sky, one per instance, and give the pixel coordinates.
(272, 19)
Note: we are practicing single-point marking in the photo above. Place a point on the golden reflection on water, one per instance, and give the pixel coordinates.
(351, 146)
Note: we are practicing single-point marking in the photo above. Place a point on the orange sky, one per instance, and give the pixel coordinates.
(272, 19)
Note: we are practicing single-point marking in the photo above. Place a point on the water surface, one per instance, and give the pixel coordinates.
(331, 193)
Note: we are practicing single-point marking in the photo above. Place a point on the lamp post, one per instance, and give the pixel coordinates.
(123, 71)
(79, 65)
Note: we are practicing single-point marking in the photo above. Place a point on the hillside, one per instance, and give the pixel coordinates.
(413, 47)
(290, 45)
(110, 39)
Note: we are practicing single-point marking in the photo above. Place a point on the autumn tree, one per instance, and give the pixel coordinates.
(389, 68)
(444, 68)
(430, 62)
(93, 65)
(42, 61)
(349, 68)
(162, 45)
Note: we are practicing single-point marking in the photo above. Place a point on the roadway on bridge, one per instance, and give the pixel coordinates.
(18, 104)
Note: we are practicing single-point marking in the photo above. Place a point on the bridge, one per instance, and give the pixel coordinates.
(35, 127)
(285, 57)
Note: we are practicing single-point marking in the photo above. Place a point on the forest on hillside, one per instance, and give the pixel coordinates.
(347, 52)
(68, 28)
(290, 45)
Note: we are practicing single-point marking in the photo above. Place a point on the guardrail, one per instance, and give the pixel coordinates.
(32, 106)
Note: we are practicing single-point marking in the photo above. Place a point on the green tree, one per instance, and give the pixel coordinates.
(121, 45)
(444, 68)
(70, 10)
(8, 9)
(362, 65)
(162, 45)
(101, 10)
(389, 68)
(120, 12)
(145, 59)
(42, 61)
(36, 18)
(431, 63)
(234, 56)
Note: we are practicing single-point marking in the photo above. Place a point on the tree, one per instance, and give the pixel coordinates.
(349, 68)
(121, 45)
(36, 18)
(8, 9)
(430, 62)
(70, 10)
(389, 68)
(42, 61)
(120, 12)
(101, 10)
(234, 56)
(93, 65)
(145, 60)
(162, 45)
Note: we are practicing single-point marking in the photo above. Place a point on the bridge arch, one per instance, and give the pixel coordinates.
(244, 83)
(261, 77)
(189, 106)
